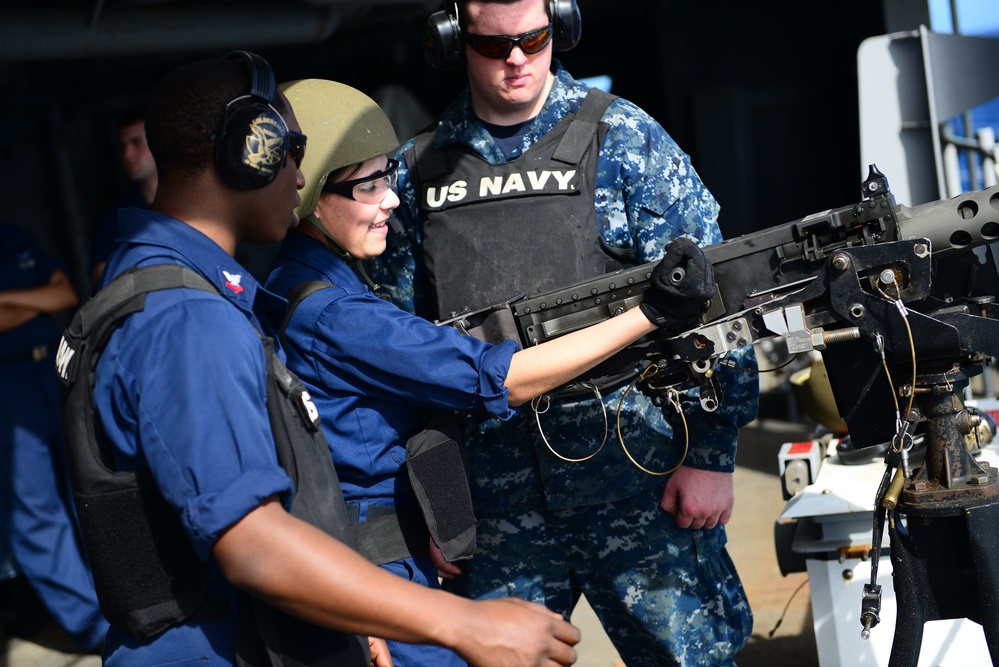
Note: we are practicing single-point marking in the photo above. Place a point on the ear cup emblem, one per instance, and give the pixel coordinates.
(264, 149)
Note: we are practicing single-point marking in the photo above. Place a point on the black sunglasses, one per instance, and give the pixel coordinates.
(296, 146)
(500, 46)
(370, 189)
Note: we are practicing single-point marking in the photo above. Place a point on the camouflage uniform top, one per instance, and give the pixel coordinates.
(647, 193)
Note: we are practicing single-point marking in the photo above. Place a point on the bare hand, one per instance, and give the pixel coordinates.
(380, 656)
(254, 552)
(510, 632)
(445, 570)
(699, 498)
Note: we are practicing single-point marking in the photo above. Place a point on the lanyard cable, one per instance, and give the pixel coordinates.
(896, 459)
(673, 398)
(545, 400)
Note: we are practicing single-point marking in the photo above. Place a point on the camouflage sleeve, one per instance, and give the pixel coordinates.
(648, 194)
(394, 270)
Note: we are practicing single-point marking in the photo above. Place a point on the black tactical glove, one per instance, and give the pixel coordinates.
(681, 285)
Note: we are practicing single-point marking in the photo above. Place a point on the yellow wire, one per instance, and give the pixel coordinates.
(674, 399)
(894, 396)
(786, 607)
(912, 351)
(912, 347)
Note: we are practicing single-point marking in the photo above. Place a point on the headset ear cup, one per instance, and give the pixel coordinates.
(442, 46)
(251, 147)
(566, 23)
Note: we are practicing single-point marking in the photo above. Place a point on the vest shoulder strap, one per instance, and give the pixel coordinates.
(424, 163)
(104, 312)
(577, 137)
(297, 295)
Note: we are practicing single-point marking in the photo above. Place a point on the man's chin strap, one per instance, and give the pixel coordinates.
(339, 251)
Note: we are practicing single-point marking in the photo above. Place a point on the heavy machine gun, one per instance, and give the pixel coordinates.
(791, 281)
(900, 302)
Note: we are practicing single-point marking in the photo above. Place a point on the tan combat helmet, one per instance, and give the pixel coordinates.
(344, 127)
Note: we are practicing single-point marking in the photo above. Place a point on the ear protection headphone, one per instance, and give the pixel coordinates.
(442, 44)
(251, 142)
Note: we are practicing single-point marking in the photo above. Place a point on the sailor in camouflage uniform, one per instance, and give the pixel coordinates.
(647, 549)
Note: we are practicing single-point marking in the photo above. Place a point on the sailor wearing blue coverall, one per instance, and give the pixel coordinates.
(36, 514)
(180, 388)
(372, 368)
(664, 589)
(196, 359)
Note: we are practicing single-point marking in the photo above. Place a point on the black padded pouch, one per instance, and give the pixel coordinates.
(436, 470)
(147, 575)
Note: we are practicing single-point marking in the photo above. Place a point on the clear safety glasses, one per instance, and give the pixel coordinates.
(370, 189)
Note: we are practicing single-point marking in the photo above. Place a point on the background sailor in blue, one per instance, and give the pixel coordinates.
(371, 367)
(140, 170)
(663, 586)
(181, 390)
(36, 514)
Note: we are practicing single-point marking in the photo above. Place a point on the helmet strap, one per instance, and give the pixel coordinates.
(341, 252)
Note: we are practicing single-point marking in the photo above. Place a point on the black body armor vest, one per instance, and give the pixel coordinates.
(147, 575)
(533, 224)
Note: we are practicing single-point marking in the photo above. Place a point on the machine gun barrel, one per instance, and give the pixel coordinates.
(953, 225)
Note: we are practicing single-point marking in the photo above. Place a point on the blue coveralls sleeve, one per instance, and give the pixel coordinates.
(419, 364)
(185, 376)
(26, 265)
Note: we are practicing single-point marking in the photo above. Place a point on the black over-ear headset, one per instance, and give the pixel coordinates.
(251, 142)
(442, 44)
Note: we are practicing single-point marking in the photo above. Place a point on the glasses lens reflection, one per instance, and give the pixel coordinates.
(500, 46)
(296, 147)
